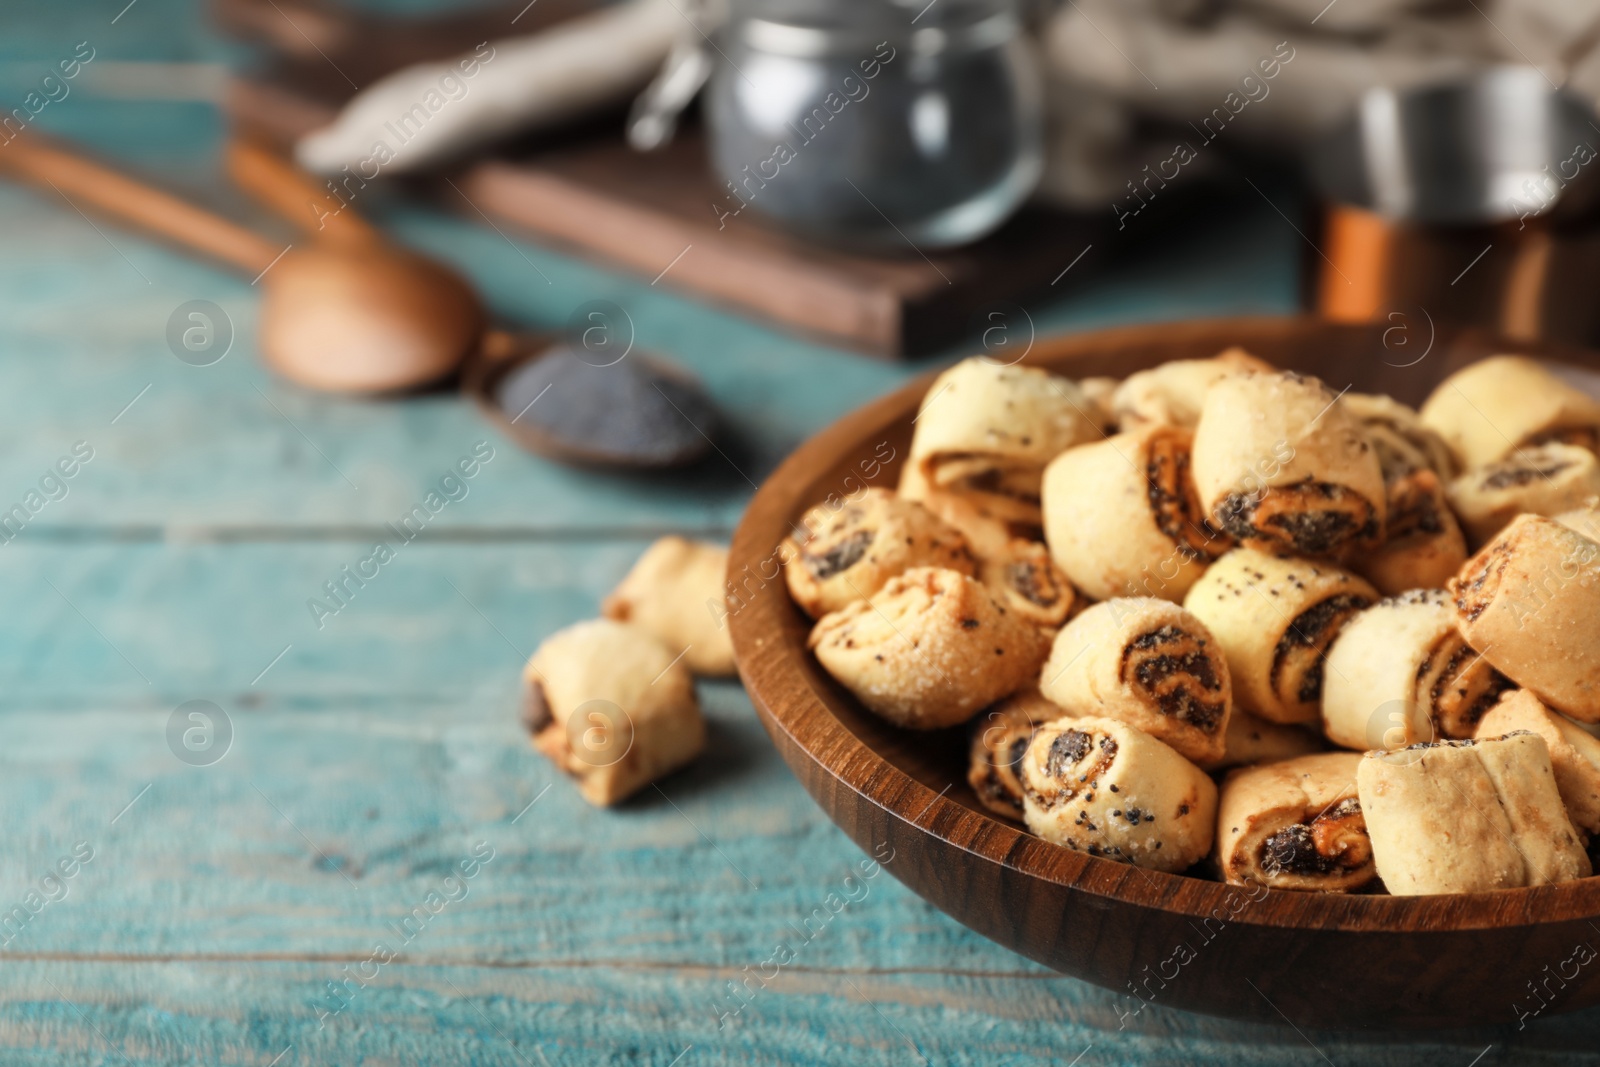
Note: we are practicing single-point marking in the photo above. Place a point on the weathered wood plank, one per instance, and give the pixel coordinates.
(249, 1012)
(390, 778)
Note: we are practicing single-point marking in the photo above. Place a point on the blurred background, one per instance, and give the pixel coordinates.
(276, 266)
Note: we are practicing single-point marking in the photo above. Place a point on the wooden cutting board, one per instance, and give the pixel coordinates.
(584, 190)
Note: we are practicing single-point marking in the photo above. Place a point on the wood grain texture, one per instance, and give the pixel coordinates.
(1447, 960)
(216, 908)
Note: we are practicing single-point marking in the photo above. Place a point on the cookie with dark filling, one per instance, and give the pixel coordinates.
(1280, 465)
(1123, 519)
(1546, 479)
(1295, 824)
(845, 552)
(1103, 787)
(612, 707)
(1024, 579)
(1149, 663)
(986, 430)
(1492, 408)
(1400, 672)
(1529, 601)
(1000, 736)
(1274, 618)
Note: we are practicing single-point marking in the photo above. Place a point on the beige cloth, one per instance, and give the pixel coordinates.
(1113, 62)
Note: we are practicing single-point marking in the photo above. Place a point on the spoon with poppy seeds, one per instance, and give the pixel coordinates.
(578, 400)
(350, 313)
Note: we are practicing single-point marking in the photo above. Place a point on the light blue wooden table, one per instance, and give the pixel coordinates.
(371, 756)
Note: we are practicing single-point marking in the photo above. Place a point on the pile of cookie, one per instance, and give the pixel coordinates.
(1219, 619)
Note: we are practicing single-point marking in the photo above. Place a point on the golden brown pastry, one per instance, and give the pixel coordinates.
(1146, 662)
(1122, 518)
(1025, 580)
(1275, 618)
(607, 704)
(988, 523)
(1281, 465)
(1529, 601)
(668, 592)
(1584, 519)
(1100, 786)
(1012, 560)
(1424, 545)
(847, 553)
(988, 430)
(1098, 393)
(999, 738)
(1295, 824)
(1497, 405)
(1171, 394)
(1399, 673)
(929, 649)
(1574, 752)
(1468, 816)
(1250, 739)
(1542, 479)
(1404, 443)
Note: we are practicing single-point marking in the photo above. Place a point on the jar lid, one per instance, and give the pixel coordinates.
(828, 27)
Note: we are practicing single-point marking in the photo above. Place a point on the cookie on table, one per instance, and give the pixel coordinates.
(1280, 465)
(1529, 601)
(606, 702)
(1574, 752)
(1171, 394)
(1122, 517)
(1400, 673)
(675, 590)
(846, 553)
(1295, 824)
(1545, 479)
(930, 649)
(1493, 407)
(999, 738)
(1100, 786)
(1148, 663)
(1275, 618)
(1507, 826)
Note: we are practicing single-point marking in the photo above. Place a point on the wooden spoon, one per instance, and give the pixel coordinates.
(640, 412)
(349, 314)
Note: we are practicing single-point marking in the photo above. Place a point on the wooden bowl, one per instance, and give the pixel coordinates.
(1318, 960)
